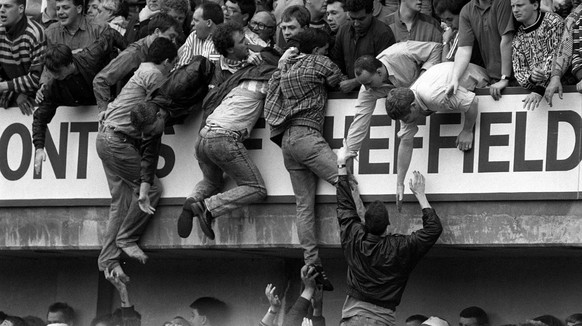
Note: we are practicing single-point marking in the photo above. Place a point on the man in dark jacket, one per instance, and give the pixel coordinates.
(378, 266)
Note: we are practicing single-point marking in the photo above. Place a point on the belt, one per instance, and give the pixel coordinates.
(218, 130)
(110, 131)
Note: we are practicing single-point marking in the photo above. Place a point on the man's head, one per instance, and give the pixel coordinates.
(229, 40)
(316, 9)
(369, 71)
(61, 313)
(549, 320)
(415, 320)
(400, 105)
(411, 5)
(69, 12)
(336, 14)
(177, 9)
(574, 320)
(162, 52)
(294, 20)
(92, 8)
(435, 321)
(180, 321)
(473, 316)
(205, 19)
(208, 311)
(148, 118)
(376, 218)
(311, 41)
(240, 11)
(58, 61)
(525, 11)
(264, 25)
(360, 13)
(11, 11)
(14, 321)
(163, 25)
(449, 11)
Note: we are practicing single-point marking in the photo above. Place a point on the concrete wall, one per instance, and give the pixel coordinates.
(511, 284)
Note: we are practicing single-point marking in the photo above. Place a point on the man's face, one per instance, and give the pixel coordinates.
(336, 15)
(232, 13)
(55, 317)
(369, 79)
(68, 13)
(263, 25)
(240, 50)
(93, 9)
(413, 115)
(10, 12)
(451, 20)
(153, 5)
(179, 16)
(200, 25)
(468, 321)
(413, 5)
(290, 28)
(316, 8)
(63, 72)
(170, 34)
(157, 127)
(196, 319)
(360, 20)
(524, 11)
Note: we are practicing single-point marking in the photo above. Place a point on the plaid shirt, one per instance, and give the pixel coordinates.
(297, 93)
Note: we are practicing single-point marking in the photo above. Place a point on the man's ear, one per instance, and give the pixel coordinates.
(21, 9)
(204, 320)
(245, 18)
(379, 71)
(80, 9)
(157, 31)
(315, 49)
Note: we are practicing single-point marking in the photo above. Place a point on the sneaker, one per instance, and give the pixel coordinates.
(185, 219)
(322, 278)
(204, 218)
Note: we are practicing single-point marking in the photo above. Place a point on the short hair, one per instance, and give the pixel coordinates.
(163, 22)
(368, 63)
(34, 321)
(214, 309)
(246, 7)
(222, 37)
(117, 7)
(178, 5)
(376, 218)
(21, 2)
(298, 12)
(57, 56)
(475, 312)
(343, 2)
(106, 319)
(398, 102)
(454, 6)
(574, 318)
(309, 39)
(16, 321)
(76, 3)
(212, 11)
(160, 50)
(143, 114)
(357, 5)
(419, 318)
(549, 320)
(65, 309)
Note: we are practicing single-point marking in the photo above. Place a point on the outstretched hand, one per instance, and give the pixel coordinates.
(343, 154)
(274, 301)
(416, 184)
(308, 275)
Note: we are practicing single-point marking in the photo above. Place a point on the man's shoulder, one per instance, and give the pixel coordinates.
(429, 20)
(35, 30)
(54, 28)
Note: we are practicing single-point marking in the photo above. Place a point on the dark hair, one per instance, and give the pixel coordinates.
(367, 63)
(76, 3)
(163, 22)
(65, 309)
(420, 318)
(34, 321)
(178, 5)
(574, 318)
(343, 2)
(357, 5)
(21, 2)
(475, 312)
(246, 7)
(309, 39)
(298, 12)
(212, 11)
(16, 321)
(106, 319)
(143, 115)
(454, 6)
(160, 50)
(57, 56)
(376, 218)
(222, 37)
(549, 320)
(398, 102)
(214, 309)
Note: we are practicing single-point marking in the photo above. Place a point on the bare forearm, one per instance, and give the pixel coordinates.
(506, 53)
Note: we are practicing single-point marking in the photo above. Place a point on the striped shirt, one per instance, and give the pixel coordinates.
(195, 46)
(21, 55)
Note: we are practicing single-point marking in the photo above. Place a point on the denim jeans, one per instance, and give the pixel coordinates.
(307, 157)
(127, 222)
(221, 151)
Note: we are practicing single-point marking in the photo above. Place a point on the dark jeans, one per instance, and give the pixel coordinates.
(127, 222)
(221, 151)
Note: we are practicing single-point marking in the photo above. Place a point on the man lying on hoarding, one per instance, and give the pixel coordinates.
(427, 96)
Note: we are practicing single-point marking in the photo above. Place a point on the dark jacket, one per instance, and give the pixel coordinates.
(298, 311)
(76, 89)
(379, 267)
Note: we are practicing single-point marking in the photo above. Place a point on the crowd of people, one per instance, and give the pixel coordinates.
(237, 60)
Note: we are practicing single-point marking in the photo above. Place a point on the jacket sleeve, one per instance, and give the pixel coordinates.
(297, 312)
(41, 118)
(150, 150)
(29, 82)
(422, 240)
(346, 207)
(337, 54)
(318, 321)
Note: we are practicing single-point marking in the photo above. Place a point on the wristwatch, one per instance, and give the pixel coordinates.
(504, 77)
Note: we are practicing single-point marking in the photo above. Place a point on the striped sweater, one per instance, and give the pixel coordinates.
(22, 51)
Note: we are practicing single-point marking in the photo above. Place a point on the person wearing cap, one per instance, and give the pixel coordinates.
(378, 265)
(427, 96)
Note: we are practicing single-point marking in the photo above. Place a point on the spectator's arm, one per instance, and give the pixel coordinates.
(365, 105)
(426, 237)
(150, 151)
(128, 314)
(301, 306)
(114, 72)
(506, 53)
(29, 82)
(41, 118)
(346, 207)
(521, 68)
(429, 53)
(274, 306)
(337, 54)
(577, 50)
(333, 74)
